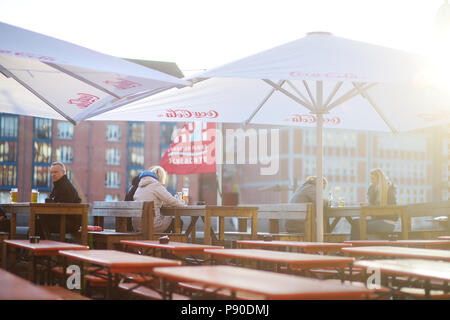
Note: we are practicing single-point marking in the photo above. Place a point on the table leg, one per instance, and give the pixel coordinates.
(363, 227)
(84, 224)
(207, 231)
(405, 226)
(13, 226)
(221, 229)
(255, 226)
(32, 227)
(31, 267)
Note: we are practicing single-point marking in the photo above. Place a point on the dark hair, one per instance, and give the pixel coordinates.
(134, 185)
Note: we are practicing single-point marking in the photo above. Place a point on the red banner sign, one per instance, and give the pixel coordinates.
(192, 150)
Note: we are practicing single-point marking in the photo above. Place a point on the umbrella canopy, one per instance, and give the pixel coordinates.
(319, 80)
(46, 77)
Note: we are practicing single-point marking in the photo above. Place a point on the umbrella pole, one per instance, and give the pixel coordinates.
(319, 178)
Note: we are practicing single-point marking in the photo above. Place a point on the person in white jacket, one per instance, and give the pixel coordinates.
(151, 188)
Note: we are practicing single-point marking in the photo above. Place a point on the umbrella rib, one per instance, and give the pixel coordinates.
(82, 79)
(51, 105)
(333, 93)
(350, 94)
(290, 95)
(262, 103)
(363, 93)
(127, 101)
(309, 93)
(296, 90)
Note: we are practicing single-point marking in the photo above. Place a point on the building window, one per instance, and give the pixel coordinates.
(41, 176)
(42, 153)
(136, 156)
(112, 179)
(113, 133)
(135, 148)
(9, 132)
(136, 132)
(112, 197)
(42, 128)
(113, 157)
(65, 131)
(9, 126)
(64, 154)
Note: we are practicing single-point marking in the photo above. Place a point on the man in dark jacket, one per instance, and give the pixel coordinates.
(63, 192)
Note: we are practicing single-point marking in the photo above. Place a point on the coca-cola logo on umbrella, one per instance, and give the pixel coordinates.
(309, 118)
(330, 75)
(84, 101)
(123, 84)
(433, 117)
(187, 114)
(27, 55)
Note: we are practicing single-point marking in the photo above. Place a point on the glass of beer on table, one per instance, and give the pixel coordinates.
(14, 193)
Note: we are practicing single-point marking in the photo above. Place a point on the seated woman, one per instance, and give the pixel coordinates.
(304, 193)
(151, 188)
(381, 192)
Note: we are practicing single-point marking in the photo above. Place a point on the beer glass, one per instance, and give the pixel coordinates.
(185, 192)
(14, 195)
(34, 195)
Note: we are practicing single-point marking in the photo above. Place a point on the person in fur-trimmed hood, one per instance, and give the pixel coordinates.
(151, 188)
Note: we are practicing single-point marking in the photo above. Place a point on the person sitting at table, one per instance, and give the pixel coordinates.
(305, 193)
(63, 191)
(151, 188)
(381, 192)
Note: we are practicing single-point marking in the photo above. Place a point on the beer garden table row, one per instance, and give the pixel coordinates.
(272, 212)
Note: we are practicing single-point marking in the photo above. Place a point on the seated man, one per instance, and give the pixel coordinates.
(63, 192)
(304, 194)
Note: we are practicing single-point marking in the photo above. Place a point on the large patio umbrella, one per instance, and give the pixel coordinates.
(319, 80)
(46, 77)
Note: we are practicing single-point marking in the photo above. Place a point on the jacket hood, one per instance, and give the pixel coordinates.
(146, 181)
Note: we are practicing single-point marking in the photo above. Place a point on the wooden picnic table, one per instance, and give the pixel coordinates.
(274, 212)
(13, 287)
(170, 250)
(425, 270)
(307, 247)
(262, 284)
(45, 248)
(61, 209)
(206, 213)
(398, 252)
(116, 263)
(295, 261)
(362, 212)
(429, 244)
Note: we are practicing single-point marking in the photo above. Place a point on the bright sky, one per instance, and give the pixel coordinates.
(201, 34)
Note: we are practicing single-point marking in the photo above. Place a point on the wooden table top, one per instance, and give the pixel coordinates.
(173, 246)
(119, 261)
(425, 243)
(400, 252)
(306, 246)
(292, 258)
(269, 285)
(13, 287)
(45, 246)
(425, 269)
